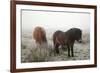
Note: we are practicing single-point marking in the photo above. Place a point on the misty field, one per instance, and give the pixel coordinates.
(30, 52)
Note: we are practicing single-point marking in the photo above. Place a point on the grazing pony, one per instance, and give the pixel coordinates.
(39, 35)
(58, 40)
(67, 39)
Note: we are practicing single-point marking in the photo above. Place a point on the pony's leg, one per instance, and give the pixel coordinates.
(72, 53)
(56, 48)
(68, 50)
(62, 47)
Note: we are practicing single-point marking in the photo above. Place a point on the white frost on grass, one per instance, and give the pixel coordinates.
(32, 52)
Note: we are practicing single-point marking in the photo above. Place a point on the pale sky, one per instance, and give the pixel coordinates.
(54, 20)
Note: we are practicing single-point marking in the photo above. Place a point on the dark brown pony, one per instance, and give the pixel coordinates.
(58, 40)
(39, 35)
(67, 39)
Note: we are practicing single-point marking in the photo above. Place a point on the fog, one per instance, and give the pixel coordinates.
(52, 20)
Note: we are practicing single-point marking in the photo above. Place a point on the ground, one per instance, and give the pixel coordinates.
(31, 53)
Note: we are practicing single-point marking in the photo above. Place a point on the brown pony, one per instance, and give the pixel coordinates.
(39, 35)
(58, 40)
(67, 39)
